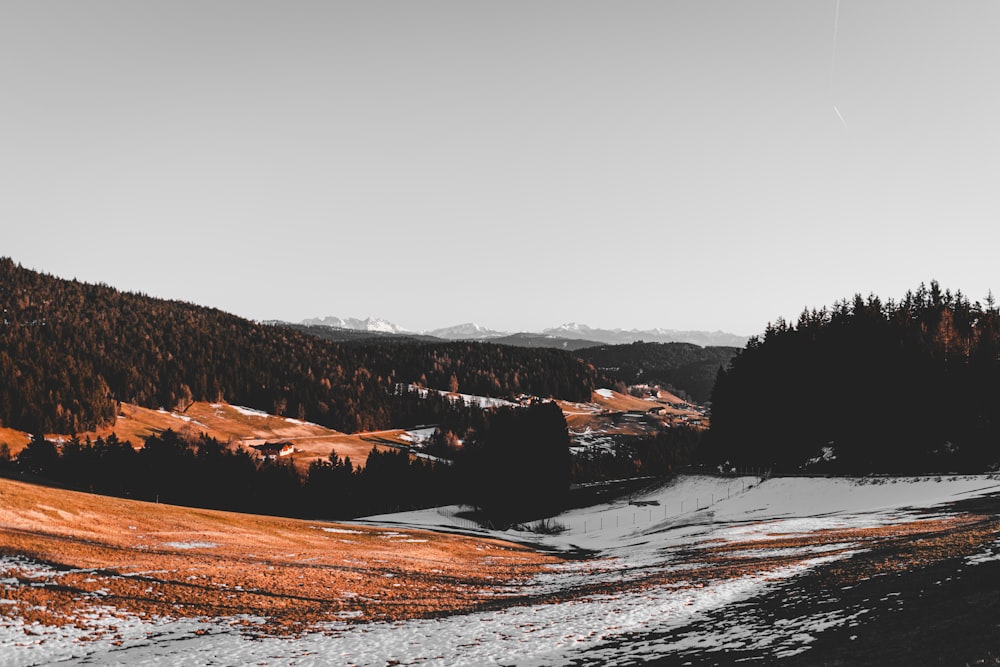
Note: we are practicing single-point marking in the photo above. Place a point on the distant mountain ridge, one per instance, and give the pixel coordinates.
(570, 331)
(375, 324)
(658, 335)
(466, 331)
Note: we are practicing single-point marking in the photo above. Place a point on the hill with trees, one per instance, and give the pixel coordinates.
(70, 351)
(866, 386)
(684, 367)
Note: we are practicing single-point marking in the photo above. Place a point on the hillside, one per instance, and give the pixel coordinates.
(701, 570)
(78, 564)
(71, 352)
(239, 426)
(684, 366)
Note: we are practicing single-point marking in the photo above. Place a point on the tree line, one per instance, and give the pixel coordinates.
(896, 386)
(683, 367)
(514, 466)
(71, 351)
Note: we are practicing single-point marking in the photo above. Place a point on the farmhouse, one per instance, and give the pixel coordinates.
(273, 450)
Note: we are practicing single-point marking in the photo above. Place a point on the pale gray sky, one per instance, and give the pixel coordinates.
(517, 164)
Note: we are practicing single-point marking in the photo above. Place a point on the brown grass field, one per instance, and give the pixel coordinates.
(597, 415)
(159, 560)
(229, 424)
(66, 557)
(226, 424)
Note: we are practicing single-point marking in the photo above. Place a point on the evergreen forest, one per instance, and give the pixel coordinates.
(70, 352)
(866, 386)
(688, 370)
(514, 466)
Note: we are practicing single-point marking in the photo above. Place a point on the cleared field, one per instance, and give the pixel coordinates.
(15, 440)
(67, 558)
(601, 415)
(357, 447)
(702, 570)
(226, 423)
(219, 420)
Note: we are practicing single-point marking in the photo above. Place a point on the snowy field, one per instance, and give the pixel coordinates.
(675, 571)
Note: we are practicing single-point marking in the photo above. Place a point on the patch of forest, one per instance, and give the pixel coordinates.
(342, 335)
(687, 368)
(866, 386)
(515, 465)
(70, 351)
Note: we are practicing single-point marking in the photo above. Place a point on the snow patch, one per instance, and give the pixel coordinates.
(249, 412)
(191, 545)
(343, 531)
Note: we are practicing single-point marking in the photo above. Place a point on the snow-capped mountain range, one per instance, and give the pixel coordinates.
(375, 324)
(573, 331)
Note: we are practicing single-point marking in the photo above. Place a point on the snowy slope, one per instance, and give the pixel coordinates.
(646, 592)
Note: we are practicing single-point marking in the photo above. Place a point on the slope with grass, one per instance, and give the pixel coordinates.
(239, 426)
(703, 570)
(77, 567)
(602, 416)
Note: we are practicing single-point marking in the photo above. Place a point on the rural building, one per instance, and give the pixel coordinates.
(273, 450)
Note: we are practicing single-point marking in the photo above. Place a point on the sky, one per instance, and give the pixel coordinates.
(704, 164)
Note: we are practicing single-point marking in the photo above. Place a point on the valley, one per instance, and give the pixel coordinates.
(607, 415)
(503, 504)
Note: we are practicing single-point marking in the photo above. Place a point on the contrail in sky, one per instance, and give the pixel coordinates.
(840, 116)
(833, 61)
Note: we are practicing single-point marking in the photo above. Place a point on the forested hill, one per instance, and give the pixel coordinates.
(69, 351)
(908, 386)
(683, 366)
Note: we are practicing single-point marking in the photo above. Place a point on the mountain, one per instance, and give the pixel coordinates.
(345, 335)
(566, 336)
(71, 351)
(543, 340)
(467, 331)
(622, 336)
(373, 324)
(685, 366)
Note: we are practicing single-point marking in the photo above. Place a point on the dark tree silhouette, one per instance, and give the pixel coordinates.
(519, 468)
(895, 387)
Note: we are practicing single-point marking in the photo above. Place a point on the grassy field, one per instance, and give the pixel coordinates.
(796, 571)
(599, 415)
(64, 554)
(226, 423)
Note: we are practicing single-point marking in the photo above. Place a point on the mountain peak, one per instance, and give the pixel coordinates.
(465, 330)
(376, 324)
(569, 330)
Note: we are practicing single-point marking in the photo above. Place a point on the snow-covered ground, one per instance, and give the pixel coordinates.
(641, 593)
